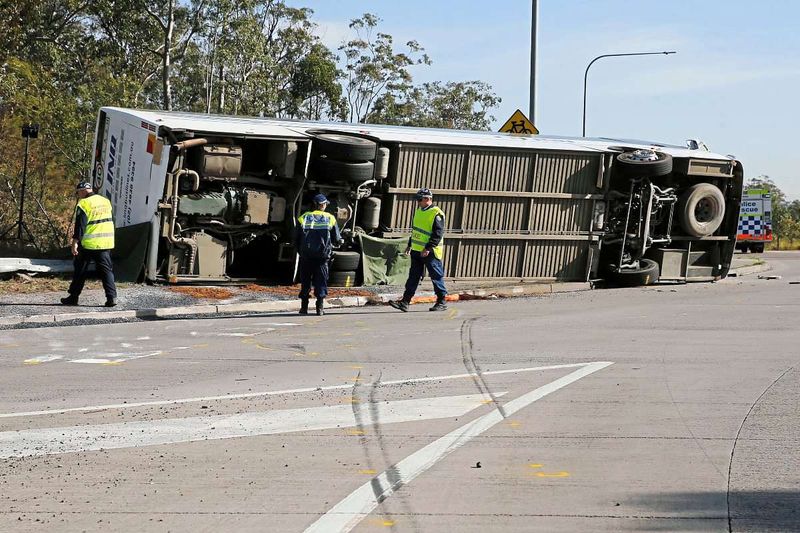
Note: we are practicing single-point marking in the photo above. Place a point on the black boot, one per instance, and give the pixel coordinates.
(320, 304)
(440, 305)
(402, 305)
(303, 306)
(69, 300)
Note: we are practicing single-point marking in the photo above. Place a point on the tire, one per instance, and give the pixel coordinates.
(345, 278)
(344, 261)
(630, 167)
(345, 147)
(333, 170)
(757, 248)
(701, 209)
(646, 274)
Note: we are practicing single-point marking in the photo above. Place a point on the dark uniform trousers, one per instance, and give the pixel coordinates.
(102, 260)
(313, 271)
(418, 266)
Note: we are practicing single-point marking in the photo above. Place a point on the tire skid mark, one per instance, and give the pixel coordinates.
(472, 367)
(360, 425)
(392, 473)
(683, 420)
(736, 439)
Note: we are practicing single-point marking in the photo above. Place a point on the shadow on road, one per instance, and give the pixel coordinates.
(757, 511)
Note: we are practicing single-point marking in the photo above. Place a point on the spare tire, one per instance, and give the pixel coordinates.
(345, 147)
(333, 170)
(701, 209)
(644, 164)
(343, 261)
(345, 278)
(646, 274)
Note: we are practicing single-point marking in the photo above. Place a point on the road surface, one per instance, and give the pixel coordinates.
(667, 408)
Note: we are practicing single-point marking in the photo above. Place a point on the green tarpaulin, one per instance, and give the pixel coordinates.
(384, 262)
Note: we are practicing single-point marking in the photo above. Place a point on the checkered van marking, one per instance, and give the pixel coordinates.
(750, 225)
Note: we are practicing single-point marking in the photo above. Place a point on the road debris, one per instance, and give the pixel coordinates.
(210, 293)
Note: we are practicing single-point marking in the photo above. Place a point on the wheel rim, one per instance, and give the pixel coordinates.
(705, 210)
(642, 155)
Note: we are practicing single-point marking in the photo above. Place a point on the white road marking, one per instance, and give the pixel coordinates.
(251, 327)
(42, 359)
(32, 442)
(282, 392)
(346, 514)
(116, 358)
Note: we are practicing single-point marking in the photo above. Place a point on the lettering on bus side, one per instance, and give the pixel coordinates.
(112, 156)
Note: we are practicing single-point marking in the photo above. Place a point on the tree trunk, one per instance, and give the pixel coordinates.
(210, 82)
(165, 73)
(221, 98)
(210, 71)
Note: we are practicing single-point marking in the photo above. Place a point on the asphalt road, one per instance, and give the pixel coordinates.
(668, 408)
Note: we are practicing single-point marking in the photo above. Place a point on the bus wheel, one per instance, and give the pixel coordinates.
(757, 248)
(646, 274)
(345, 147)
(331, 169)
(644, 164)
(701, 209)
(344, 278)
(343, 261)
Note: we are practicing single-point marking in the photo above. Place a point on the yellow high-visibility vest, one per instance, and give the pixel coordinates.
(99, 234)
(317, 220)
(422, 229)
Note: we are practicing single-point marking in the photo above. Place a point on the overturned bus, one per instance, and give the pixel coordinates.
(206, 198)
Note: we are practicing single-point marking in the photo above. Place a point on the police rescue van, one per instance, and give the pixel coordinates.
(755, 221)
(215, 198)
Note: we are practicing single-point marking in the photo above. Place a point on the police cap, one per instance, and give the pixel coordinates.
(424, 193)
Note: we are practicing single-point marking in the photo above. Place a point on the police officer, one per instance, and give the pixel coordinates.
(92, 240)
(425, 247)
(315, 236)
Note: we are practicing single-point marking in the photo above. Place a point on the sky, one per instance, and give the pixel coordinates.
(733, 83)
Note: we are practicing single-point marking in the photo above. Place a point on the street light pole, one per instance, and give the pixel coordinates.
(534, 73)
(586, 74)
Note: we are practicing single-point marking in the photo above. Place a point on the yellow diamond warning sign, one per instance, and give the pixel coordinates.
(519, 123)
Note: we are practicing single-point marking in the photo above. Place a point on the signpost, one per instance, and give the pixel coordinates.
(519, 123)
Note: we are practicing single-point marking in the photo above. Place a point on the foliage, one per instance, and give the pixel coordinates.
(374, 69)
(61, 60)
(454, 105)
(52, 72)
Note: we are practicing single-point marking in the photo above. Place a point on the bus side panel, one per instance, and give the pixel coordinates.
(510, 214)
(127, 150)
